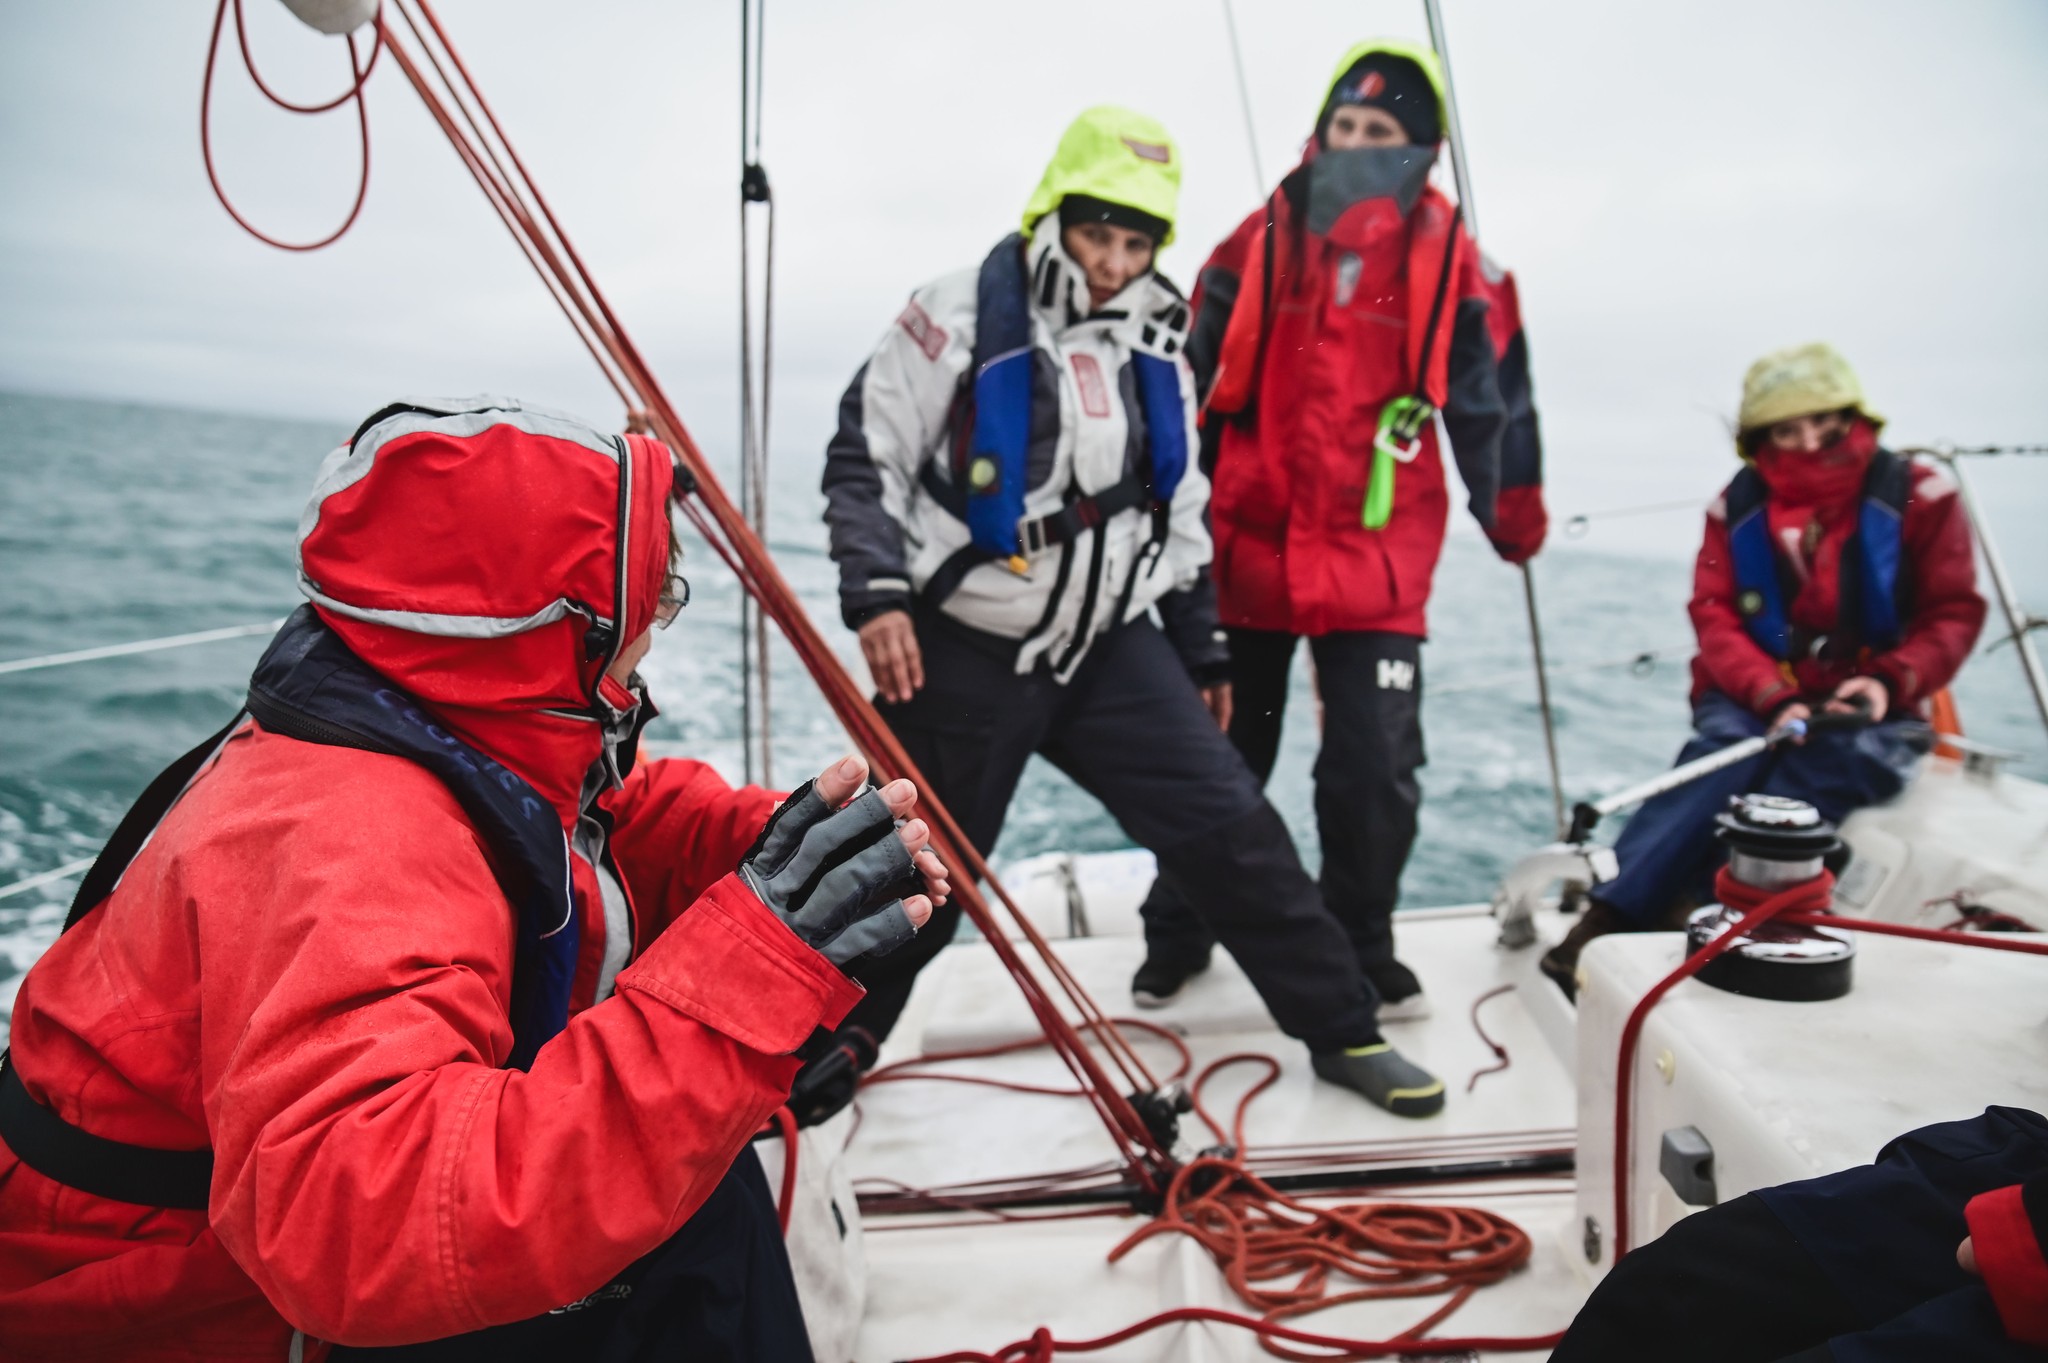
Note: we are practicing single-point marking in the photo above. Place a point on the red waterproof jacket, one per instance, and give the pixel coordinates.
(1300, 374)
(308, 968)
(1813, 501)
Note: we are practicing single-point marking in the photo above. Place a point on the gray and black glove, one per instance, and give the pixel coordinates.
(837, 877)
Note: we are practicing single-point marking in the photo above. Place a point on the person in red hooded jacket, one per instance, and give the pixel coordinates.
(1834, 577)
(1331, 329)
(410, 1007)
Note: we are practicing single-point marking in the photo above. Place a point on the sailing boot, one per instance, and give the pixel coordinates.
(1384, 1077)
(1162, 977)
(1561, 962)
(1400, 993)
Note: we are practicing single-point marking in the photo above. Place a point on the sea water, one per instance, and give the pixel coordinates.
(123, 522)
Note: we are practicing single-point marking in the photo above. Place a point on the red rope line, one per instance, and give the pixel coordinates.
(1802, 905)
(1500, 1052)
(785, 1122)
(1041, 1347)
(1757, 908)
(508, 187)
(2030, 943)
(354, 92)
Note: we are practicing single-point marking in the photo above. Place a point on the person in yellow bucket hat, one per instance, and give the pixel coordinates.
(1835, 577)
(1013, 494)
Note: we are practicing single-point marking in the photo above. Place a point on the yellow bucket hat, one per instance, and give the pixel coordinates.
(1117, 155)
(1801, 380)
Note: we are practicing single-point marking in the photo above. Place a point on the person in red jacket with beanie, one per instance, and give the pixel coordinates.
(1835, 577)
(1332, 329)
(410, 1007)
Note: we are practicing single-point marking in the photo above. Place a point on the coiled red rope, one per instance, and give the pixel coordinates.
(1282, 1255)
(359, 75)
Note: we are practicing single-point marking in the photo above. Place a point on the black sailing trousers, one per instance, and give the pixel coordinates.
(720, 1290)
(1367, 796)
(1130, 728)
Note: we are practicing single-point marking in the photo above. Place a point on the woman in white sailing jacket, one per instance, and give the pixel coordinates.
(1011, 498)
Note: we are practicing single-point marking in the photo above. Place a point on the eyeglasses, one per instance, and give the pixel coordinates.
(675, 594)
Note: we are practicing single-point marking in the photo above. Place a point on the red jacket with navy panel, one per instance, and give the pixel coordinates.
(1353, 286)
(308, 968)
(1812, 505)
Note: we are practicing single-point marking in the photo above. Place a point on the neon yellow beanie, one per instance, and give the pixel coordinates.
(1113, 154)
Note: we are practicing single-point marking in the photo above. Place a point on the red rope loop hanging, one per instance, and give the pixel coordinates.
(359, 73)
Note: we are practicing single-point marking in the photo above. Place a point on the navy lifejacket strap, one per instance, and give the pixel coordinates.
(139, 822)
(1879, 549)
(999, 447)
(310, 686)
(1759, 594)
(76, 1158)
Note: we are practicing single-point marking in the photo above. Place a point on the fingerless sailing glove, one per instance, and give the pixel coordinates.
(835, 876)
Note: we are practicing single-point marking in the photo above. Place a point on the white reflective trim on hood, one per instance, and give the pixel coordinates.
(457, 418)
(451, 626)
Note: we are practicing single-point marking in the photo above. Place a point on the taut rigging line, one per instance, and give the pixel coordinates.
(754, 189)
(1089, 1043)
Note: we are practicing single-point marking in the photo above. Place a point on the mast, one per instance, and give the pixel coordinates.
(1463, 175)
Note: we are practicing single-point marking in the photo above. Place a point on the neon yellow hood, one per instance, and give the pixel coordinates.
(1118, 155)
(1421, 54)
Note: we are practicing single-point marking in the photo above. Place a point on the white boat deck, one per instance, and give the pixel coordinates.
(1860, 1074)
(936, 1285)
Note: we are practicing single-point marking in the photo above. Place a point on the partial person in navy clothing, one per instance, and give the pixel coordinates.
(1933, 1252)
(1836, 577)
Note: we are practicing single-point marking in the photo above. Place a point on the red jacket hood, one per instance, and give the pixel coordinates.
(492, 558)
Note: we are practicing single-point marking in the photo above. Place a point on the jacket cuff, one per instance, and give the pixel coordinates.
(2009, 1256)
(1900, 689)
(731, 964)
(857, 608)
(1773, 698)
(1520, 523)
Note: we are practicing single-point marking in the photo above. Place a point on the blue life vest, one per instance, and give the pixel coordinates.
(994, 472)
(1871, 589)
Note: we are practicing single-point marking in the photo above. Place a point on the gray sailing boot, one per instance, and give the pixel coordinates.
(1384, 1078)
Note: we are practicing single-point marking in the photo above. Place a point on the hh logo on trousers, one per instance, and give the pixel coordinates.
(1396, 675)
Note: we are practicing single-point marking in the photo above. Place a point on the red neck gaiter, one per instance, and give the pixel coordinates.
(1814, 496)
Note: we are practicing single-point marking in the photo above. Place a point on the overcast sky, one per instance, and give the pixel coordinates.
(1679, 186)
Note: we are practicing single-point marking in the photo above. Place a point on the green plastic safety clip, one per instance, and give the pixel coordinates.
(1396, 441)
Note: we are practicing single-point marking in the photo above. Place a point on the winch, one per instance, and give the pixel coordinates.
(1774, 843)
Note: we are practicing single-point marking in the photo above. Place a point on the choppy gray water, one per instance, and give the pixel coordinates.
(121, 522)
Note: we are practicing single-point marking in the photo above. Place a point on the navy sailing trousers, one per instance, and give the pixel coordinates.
(1668, 852)
(1130, 728)
(1367, 795)
(1855, 1267)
